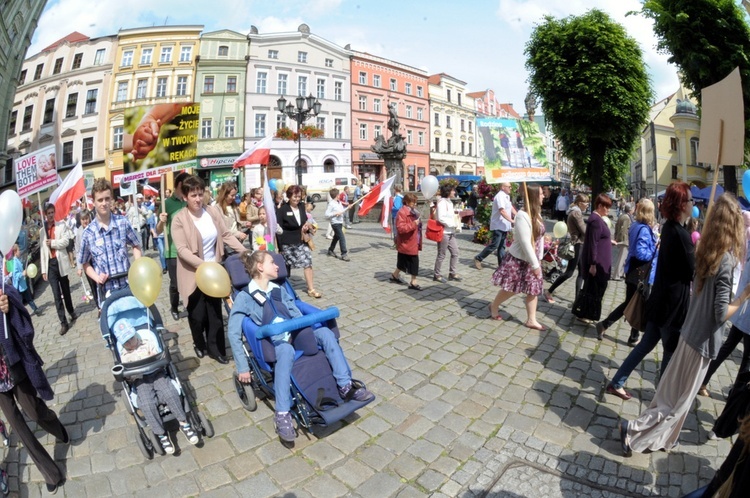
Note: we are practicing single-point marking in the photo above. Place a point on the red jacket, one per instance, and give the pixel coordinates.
(407, 240)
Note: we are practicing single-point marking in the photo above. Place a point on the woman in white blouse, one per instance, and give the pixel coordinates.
(446, 216)
(521, 271)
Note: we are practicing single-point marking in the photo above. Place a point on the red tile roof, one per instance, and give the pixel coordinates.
(73, 37)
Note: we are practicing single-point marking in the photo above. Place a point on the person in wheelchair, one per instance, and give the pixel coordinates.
(264, 303)
(154, 387)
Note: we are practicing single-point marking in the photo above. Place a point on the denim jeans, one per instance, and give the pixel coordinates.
(651, 337)
(497, 243)
(282, 371)
(160, 247)
(338, 236)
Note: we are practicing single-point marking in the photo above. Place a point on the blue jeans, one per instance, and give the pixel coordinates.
(160, 247)
(338, 236)
(282, 371)
(497, 243)
(651, 337)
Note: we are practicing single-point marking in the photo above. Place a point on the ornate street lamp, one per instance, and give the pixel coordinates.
(300, 114)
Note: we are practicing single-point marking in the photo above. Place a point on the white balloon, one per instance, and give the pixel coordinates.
(429, 186)
(560, 229)
(11, 218)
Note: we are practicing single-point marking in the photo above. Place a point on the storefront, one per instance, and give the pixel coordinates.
(215, 170)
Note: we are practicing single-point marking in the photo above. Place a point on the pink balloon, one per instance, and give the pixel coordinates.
(267, 237)
(696, 236)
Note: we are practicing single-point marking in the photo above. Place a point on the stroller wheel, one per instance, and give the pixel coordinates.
(246, 394)
(208, 429)
(155, 443)
(143, 444)
(553, 277)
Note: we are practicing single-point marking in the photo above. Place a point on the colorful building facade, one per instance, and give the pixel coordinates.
(454, 147)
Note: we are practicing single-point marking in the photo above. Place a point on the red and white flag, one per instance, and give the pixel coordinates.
(270, 207)
(259, 153)
(68, 192)
(149, 190)
(381, 191)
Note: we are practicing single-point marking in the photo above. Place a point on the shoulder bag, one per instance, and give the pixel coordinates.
(434, 230)
(635, 311)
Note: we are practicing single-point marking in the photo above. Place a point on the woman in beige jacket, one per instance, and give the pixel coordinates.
(199, 235)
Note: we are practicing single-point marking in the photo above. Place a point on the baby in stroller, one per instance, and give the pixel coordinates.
(267, 303)
(152, 388)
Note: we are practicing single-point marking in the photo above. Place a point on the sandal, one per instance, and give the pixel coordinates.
(314, 293)
(703, 391)
(415, 287)
(396, 280)
(548, 297)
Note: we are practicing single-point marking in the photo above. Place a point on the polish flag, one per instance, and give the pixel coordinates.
(259, 153)
(149, 190)
(381, 191)
(68, 193)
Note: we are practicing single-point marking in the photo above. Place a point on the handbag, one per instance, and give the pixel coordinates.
(566, 251)
(434, 230)
(635, 311)
(588, 304)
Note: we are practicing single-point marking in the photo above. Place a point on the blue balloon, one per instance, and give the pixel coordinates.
(746, 184)
(696, 212)
(272, 184)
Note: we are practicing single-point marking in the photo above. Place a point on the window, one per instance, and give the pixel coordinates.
(376, 80)
(146, 55)
(394, 85)
(12, 123)
(223, 50)
(420, 91)
(99, 57)
(161, 87)
(321, 88)
(182, 85)
(273, 54)
(408, 111)
(672, 143)
(448, 94)
(77, 59)
(302, 57)
(407, 88)
(260, 125)
(694, 142)
(67, 157)
(122, 91)
(329, 62)
(87, 152)
(91, 97)
(22, 78)
(437, 144)
(58, 66)
(166, 54)
(140, 89)
(186, 53)
(338, 90)
(206, 128)
(127, 58)
(362, 103)
(420, 113)
(463, 122)
(27, 113)
(208, 84)
(458, 98)
(470, 127)
(448, 145)
(463, 148)
(260, 83)
(281, 86)
(338, 128)
(470, 153)
(376, 105)
(38, 72)
(229, 127)
(420, 138)
(362, 78)
(408, 137)
(437, 119)
(231, 84)
(377, 131)
(301, 85)
(674, 172)
(320, 123)
(72, 107)
(49, 111)
(363, 131)
(447, 121)
(280, 121)
(329, 166)
(117, 138)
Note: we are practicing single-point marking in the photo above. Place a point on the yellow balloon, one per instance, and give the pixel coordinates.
(560, 229)
(32, 271)
(279, 185)
(213, 280)
(144, 278)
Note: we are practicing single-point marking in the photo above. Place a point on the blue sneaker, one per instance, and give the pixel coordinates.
(349, 392)
(285, 427)
(4, 489)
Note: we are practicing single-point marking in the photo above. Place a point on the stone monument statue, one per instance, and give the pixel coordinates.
(393, 150)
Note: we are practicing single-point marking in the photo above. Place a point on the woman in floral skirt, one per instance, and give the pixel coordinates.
(520, 271)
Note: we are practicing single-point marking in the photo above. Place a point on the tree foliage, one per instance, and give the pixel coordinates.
(707, 39)
(595, 92)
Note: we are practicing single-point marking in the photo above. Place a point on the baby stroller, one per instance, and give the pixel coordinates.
(552, 264)
(121, 304)
(315, 399)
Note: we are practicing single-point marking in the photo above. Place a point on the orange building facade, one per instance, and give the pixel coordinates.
(375, 83)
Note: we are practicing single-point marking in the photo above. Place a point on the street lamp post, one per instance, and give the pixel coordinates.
(300, 114)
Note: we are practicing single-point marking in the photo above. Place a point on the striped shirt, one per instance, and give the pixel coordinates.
(106, 248)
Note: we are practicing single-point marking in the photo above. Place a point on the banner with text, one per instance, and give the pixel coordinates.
(36, 171)
(513, 150)
(159, 138)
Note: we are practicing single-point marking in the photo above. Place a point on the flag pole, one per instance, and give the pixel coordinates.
(162, 192)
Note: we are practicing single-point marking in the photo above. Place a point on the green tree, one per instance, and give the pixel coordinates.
(595, 92)
(707, 39)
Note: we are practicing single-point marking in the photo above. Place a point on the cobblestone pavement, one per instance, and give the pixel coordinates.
(465, 406)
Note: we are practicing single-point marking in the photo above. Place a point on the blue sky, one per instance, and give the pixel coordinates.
(480, 42)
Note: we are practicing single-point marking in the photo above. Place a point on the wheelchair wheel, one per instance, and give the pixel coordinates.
(208, 429)
(143, 445)
(155, 443)
(246, 393)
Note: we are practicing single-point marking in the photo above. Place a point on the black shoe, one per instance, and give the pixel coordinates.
(64, 328)
(52, 488)
(73, 317)
(344, 257)
(164, 271)
(632, 340)
(221, 359)
(199, 352)
(600, 330)
(440, 279)
(175, 316)
(331, 253)
(66, 437)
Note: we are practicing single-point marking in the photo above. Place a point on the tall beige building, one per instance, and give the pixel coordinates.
(453, 124)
